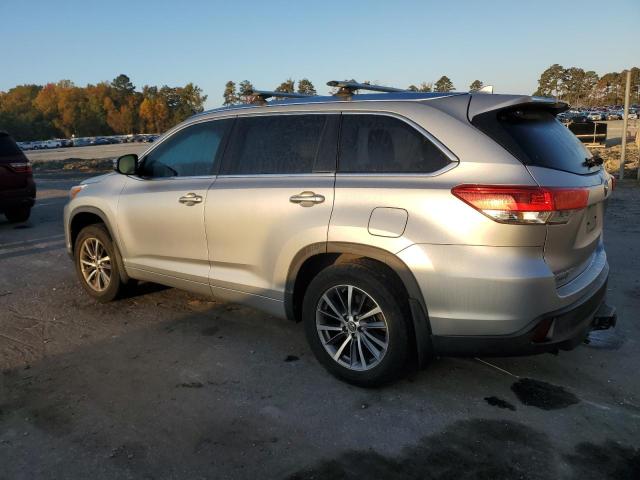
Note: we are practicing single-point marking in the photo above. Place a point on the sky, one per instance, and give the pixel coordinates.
(506, 44)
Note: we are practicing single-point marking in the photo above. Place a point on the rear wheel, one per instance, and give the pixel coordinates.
(356, 323)
(97, 263)
(19, 214)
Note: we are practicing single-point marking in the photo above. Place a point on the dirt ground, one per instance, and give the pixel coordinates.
(165, 384)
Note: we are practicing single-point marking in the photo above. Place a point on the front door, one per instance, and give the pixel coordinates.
(161, 210)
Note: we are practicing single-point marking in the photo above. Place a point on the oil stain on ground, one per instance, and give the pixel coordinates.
(468, 449)
(500, 403)
(543, 395)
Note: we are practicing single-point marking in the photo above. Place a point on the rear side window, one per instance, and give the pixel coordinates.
(277, 144)
(191, 152)
(535, 137)
(382, 144)
(8, 147)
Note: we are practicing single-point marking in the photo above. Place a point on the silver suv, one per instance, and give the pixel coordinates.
(396, 226)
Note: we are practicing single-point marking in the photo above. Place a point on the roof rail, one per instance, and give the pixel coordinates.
(260, 96)
(347, 88)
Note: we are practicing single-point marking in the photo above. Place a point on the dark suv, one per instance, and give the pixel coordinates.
(17, 188)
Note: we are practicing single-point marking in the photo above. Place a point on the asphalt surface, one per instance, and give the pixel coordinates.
(165, 384)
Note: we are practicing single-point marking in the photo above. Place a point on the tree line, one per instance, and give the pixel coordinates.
(582, 88)
(63, 109)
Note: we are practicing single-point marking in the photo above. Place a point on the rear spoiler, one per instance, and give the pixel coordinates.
(483, 103)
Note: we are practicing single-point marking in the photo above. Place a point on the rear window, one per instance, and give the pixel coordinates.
(535, 137)
(276, 144)
(8, 148)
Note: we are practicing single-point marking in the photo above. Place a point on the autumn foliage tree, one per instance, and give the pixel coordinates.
(62, 109)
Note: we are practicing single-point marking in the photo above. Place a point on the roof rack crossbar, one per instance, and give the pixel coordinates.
(261, 96)
(348, 87)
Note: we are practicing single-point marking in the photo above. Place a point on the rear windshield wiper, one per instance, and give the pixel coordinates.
(593, 161)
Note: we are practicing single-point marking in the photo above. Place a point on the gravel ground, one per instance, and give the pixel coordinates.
(166, 384)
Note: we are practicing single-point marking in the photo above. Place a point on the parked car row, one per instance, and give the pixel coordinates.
(612, 112)
(84, 141)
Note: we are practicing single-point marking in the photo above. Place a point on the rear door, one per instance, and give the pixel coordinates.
(272, 198)
(556, 158)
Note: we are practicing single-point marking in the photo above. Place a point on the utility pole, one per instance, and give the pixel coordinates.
(625, 123)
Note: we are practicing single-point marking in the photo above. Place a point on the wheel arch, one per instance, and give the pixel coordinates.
(84, 216)
(312, 259)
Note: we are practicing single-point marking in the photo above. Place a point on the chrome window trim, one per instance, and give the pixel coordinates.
(174, 178)
(280, 175)
(436, 173)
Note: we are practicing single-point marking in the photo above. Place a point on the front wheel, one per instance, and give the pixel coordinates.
(97, 263)
(356, 322)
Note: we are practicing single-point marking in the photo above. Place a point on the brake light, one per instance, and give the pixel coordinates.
(21, 167)
(523, 204)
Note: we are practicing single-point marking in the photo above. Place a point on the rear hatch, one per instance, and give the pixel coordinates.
(556, 159)
(15, 169)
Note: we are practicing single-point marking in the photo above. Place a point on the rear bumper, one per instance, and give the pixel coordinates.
(563, 329)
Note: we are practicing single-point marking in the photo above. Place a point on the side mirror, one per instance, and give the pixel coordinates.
(127, 164)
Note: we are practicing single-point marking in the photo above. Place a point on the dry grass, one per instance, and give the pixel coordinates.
(611, 158)
(75, 164)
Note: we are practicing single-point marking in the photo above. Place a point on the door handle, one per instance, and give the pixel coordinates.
(190, 199)
(307, 199)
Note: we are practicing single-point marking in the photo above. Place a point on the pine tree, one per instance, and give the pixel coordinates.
(288, 86)
(550, 82)
(230, 95)
(444, 84)
(475, 86)
(245, 91)
(306, 87)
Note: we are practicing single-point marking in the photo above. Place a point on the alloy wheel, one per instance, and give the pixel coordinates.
(95, 264)
(352, 327)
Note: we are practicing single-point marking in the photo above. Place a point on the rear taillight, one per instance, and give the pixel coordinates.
(523, 205)
(21, 167)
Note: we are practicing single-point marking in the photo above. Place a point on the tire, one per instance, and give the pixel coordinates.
(358, 365)
(89, 239)
(17, 215)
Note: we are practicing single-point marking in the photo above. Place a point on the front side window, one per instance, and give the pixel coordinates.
(277, 144)
(191, 152)
(383, 144)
